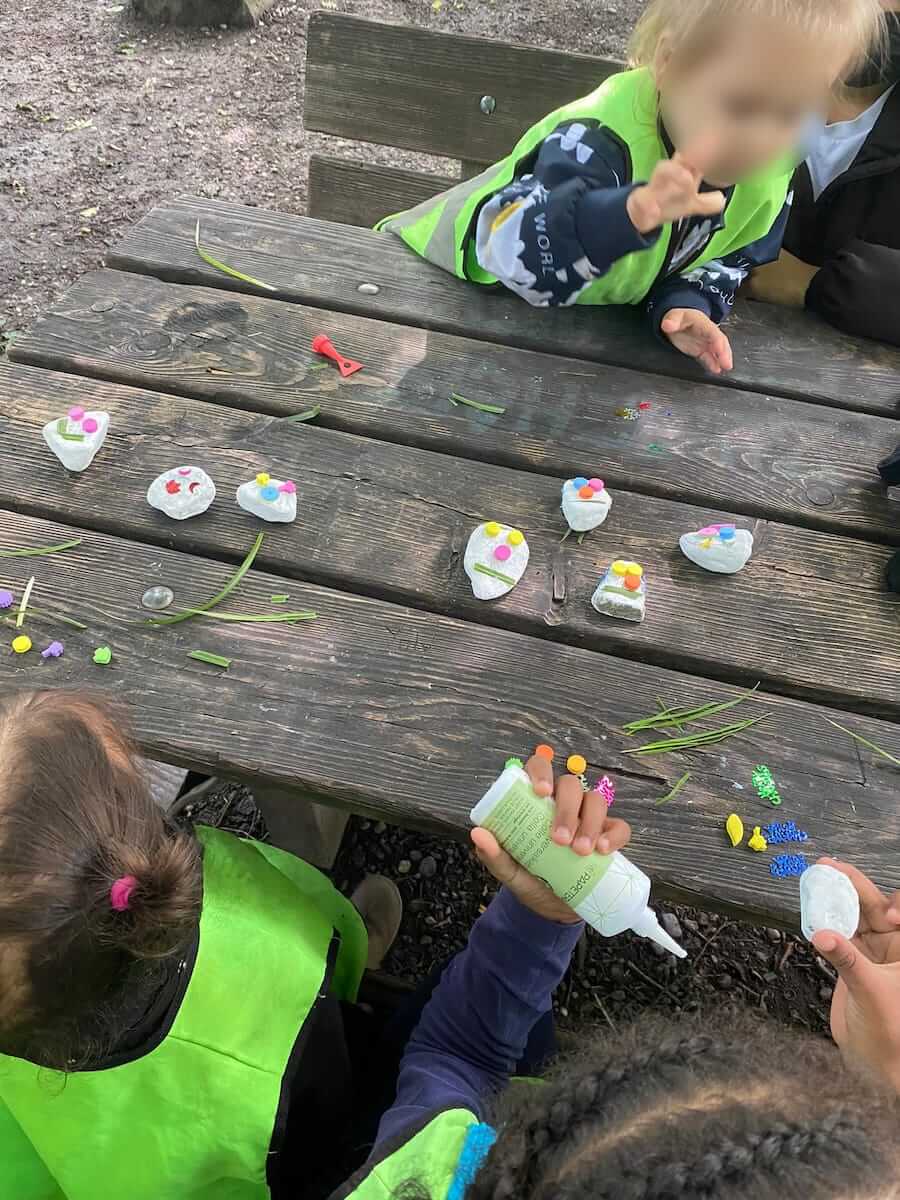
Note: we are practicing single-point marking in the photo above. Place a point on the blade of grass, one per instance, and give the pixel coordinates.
(219, 596)
(675, 790)
(220, 266)
(697, 740)
(290, 618)
(26, 596)
(456, 399)
(483, 570)
(214, 660)
(857, 737)
(50, 616)
(40, 550)
(309, 415)
(280, 598)
(687, 716)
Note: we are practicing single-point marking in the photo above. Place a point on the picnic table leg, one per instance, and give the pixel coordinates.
(297, 823)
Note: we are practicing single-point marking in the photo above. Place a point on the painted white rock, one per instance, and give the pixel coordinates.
(495, 560)
(828, 900)
(585, 503)
(269, 499)
(622, 592)
(181, 493)
(76, 438)
(720, 548)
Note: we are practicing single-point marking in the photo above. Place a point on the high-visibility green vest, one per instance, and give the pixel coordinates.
(197, 1117)
(442, 229)
(429, 1158)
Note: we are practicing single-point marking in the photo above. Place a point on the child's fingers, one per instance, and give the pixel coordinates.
(569, 795)
(591, 822)
(674, 321)
(873, 903)
(615, 836)
(493, 856)
(707, 204)
(540, 770)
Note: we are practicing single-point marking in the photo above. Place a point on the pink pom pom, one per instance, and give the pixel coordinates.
(288, 487)
(185, 470)
(502, 553)
(121, 891)
(597, 484)
(89, 425)
(75, 414)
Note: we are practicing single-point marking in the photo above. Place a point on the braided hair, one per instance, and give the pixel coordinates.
(672, 1112)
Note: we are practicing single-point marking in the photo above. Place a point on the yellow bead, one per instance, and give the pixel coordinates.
(635, 569)
(757, 841)
(576, 764)
(734, 827)
(262, 478)
(620, 567)
(515, 537)
(21, 644)
(492, 529)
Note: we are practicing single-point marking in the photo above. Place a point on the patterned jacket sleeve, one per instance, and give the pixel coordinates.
(554, 230)
(713, 287)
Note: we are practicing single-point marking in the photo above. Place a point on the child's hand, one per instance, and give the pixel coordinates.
(865, 1010)
(694, 334)
(580, 816)
(674, 191)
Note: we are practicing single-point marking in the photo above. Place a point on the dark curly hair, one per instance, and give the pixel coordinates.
(679, 1112)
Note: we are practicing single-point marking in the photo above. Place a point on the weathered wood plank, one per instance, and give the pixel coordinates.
(777, 351)
(741, 451)
(355, 193)
(393, 522)
(422, 90)
(396, 712)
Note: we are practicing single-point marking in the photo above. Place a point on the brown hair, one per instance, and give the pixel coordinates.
(736, 1111)
(76, 814)
(858, 24)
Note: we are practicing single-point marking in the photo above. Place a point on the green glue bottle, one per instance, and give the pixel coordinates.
(606, 890)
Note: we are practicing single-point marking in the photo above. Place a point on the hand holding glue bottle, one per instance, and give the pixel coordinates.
(520, 838)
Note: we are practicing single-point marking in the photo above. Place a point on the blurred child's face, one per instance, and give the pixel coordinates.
(746, 96)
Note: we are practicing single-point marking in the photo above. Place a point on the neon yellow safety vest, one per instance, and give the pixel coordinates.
(442, 229)
(429, 1158)
(196, 1117)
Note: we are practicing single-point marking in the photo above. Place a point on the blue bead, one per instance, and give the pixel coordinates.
(269, 492)
(580, 482)
(726, 533)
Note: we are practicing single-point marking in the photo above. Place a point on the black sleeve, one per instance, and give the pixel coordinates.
(858, 291)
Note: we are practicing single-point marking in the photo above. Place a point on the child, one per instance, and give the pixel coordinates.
(668, 184)
(189, 986)
(841, 256)
(655, 1114)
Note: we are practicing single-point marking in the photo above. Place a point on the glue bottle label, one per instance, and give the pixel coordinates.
(522, 823)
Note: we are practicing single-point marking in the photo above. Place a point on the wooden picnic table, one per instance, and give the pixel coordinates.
(404, 697)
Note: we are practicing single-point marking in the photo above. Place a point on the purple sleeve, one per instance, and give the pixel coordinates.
(475, 1028)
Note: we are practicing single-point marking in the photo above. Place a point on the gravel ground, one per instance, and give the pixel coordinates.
(100, 119)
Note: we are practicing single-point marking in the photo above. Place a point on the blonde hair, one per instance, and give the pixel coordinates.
(858, 23)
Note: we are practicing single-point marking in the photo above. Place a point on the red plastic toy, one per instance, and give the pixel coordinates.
(323, 345)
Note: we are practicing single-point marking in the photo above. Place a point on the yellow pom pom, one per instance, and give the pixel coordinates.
(620, 567)
(492, 529)
(757, 841)
(576, 764)
(21, 644)
(734, 827)
(262, 478)
(635, 569)
(515, 537)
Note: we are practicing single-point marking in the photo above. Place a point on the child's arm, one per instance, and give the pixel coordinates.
(549, 234)
(476, 1026)
(687, 309)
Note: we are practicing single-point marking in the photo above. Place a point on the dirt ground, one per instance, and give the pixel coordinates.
(100, 119)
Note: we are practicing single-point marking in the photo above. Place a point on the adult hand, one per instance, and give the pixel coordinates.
(581, 821)
(785, 281)
(865, 1010)
(693, 333)
(674, 190)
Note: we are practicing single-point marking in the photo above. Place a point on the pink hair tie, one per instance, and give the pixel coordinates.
(121, 891)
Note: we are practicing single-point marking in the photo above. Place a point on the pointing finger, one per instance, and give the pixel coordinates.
(569, 795)
(540, 770)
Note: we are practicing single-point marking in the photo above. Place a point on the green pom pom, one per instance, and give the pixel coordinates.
(513, 762)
